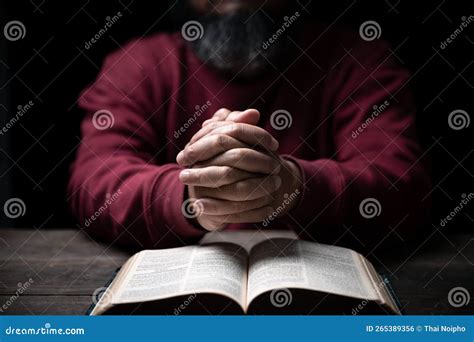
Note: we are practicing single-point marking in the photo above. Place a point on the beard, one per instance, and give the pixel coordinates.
(235, 44)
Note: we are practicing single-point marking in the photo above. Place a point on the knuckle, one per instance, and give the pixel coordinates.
(240, 206)
(209, 128)
(221, 111)
(237, 154)
(224, 176)
(240, 129)
(198, 177)
(212, 126)
(221, 140)
(233, 113)
(241, 189)
(235, 129)
(190, 153)
(226, 172)
(236, 207)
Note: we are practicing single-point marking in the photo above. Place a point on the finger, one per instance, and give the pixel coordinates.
(245, 190)
(206, 130)
(249, 116)
(251, 216)
(211, 225)
(206, 148)
(213, 207)
(244, 159)
(249, 134)
(219, 115)
(213, 176)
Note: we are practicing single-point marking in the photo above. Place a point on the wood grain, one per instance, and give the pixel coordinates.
(66, 266)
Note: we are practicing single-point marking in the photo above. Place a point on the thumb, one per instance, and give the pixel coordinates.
(249, 116)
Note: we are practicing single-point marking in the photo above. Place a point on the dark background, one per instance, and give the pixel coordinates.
(50, 66)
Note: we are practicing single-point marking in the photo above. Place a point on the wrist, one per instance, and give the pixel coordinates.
(295, 176)
(291, 186)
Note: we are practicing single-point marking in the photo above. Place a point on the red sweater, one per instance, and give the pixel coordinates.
(124, 182)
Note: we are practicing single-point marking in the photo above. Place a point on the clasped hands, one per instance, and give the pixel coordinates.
(233, 173)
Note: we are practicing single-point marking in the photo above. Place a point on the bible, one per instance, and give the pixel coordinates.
(247, 272)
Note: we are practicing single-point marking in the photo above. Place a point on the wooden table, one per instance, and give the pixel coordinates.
(66, 266)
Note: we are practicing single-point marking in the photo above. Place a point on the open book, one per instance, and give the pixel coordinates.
(266, 272)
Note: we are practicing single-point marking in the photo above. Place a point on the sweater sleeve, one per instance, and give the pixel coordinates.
(377, 182)
(118, 189)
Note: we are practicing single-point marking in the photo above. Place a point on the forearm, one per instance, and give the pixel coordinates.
(136, 204)
(336, 194)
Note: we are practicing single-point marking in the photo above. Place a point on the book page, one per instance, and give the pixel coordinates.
(246, 238)
(282, 263)
(381, 286)
(158, 274)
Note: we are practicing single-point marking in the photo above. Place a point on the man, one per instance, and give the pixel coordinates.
(249, 118)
